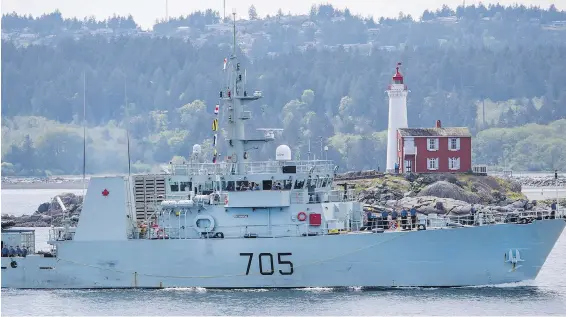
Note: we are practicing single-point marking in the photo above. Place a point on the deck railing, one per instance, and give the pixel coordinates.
(435, 221)
(184, 229)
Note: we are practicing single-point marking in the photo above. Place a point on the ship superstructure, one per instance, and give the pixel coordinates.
(239, 223)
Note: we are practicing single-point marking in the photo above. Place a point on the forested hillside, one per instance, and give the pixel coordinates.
(323, 75)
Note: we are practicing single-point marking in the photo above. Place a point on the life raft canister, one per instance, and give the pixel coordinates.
(392, 224)
(14, 264)
(302, 216)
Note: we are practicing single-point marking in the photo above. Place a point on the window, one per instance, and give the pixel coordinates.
(228, 185)
(432, 163)
(454, 144)
(186, 186)
(398, 145)
(432, 144)
(174, 187)
(454, 163)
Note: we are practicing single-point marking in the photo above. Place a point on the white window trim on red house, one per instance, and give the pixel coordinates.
(454, 163)
(428, 143)
(432, 164)
(456, 143)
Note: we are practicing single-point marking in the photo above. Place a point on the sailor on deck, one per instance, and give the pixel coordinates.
(18, 251)
(384, 221)
(394, 215)
(404, 218)
(5, 251)
(413, 217)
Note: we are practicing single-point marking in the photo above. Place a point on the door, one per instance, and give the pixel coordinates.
(408, 166)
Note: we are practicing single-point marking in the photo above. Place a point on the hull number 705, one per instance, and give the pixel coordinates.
(266, 266)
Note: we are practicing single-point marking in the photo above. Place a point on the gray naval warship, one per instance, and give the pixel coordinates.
(239, 223)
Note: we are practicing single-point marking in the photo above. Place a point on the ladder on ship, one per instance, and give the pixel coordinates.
(149, 192)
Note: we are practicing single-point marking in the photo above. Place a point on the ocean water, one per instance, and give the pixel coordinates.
(544, 296)
(19, 202)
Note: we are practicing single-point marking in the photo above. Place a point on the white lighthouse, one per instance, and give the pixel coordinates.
(397, 116)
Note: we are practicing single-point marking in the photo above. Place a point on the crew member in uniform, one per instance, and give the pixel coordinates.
(394, 215)
(404, 218)
(413, 217)
(553, 210)
(371, 220)
(384, 223)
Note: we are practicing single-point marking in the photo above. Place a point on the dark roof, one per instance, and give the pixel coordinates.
(457, 132)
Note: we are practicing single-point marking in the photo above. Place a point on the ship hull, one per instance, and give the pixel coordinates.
(481, 255)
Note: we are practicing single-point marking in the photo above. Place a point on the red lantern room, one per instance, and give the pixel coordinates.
(398, 77)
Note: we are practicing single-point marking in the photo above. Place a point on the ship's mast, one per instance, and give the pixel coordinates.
(238, 144)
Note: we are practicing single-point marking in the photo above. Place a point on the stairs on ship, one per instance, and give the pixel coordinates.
(149, 192)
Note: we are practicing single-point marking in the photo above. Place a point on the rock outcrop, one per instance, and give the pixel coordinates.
(48, 213)
(454, 194)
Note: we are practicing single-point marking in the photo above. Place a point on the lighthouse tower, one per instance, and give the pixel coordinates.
(397, 116)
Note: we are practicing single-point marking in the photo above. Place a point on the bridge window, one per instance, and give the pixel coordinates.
(267, 184)
(186, 186)
(242, 185)
(208, 187)
(174, 187)
(282, 184)
(228, 186)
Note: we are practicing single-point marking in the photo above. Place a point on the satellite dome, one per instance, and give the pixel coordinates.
(196, 149)
(283, 153)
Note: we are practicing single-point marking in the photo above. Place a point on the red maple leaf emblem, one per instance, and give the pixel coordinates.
(105, 192)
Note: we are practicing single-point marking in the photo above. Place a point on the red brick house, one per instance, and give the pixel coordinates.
(430, 150)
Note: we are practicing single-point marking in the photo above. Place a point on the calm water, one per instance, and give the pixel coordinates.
(19, 202)
(545, 296)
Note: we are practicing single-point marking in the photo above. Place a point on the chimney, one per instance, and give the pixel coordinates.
(438, 124)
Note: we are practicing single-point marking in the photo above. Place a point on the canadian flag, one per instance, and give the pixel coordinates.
(225, 61)
(216, 109)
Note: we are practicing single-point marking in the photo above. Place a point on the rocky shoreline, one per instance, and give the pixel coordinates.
(540, 181)
(41, 183)
(527, 181)
(48, 213)
(450, 194)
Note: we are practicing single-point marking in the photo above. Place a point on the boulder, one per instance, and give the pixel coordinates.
(519, 204)
(43, 208)
(444, 189)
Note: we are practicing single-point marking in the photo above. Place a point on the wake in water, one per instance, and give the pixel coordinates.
(518, 285)
(529, 283)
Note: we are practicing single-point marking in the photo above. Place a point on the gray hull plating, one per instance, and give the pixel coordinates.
(449, 257)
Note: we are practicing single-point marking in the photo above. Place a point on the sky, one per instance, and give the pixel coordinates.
(145, 12)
